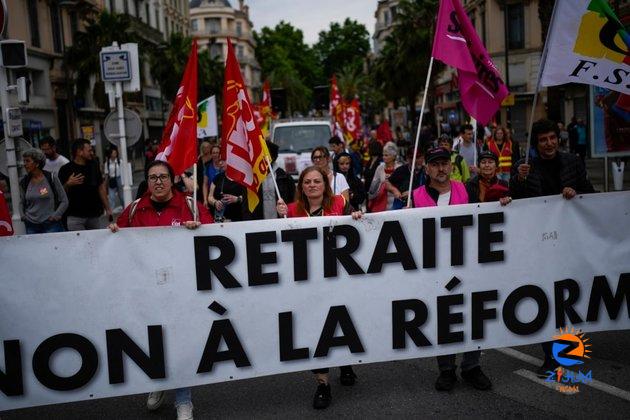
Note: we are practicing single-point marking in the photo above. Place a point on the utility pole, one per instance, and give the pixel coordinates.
(508, 111)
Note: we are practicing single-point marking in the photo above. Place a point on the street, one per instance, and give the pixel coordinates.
(397, 389)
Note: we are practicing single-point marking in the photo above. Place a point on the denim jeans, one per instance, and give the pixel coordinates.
(46, 227)
(182, 396)
(85, 223)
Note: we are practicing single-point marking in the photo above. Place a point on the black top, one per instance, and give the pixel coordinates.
(223, 185)
(84, 199)
(400, 178)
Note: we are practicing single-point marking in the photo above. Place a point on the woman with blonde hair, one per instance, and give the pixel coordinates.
(314, 197)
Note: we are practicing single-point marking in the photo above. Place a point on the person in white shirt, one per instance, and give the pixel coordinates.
(54, 161)
(338, 183)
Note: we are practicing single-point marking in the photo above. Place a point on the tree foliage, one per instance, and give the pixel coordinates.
(342, 47)
(82, 58)
(281, 51)
(168, 62)
(401, 69)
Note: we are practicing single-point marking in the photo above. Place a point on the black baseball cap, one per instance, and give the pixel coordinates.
(487, 154)
(437, 153)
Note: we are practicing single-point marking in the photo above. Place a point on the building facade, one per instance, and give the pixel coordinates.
(212, 22)
(521, 48)
(385, 15)
(48, 28)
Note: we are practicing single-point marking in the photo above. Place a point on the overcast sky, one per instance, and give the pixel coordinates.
(311, 16)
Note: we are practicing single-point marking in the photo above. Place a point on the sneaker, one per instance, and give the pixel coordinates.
(155, 400)
(446, 381)
(477, 379)
(347, 376)
(550, 365)
(184, 411)
(322, 397)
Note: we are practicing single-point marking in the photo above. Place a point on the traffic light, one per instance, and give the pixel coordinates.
(12, 54)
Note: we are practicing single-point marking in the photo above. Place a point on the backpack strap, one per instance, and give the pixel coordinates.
(49, 177)
(458, 162)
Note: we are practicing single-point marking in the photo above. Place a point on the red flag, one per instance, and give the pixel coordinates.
(384, 132)
(6, 227)
(353, 119)
(336, 106)
(457, 44)
(179, 139)
(242, 147)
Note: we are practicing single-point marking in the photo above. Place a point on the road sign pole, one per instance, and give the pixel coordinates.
(123, 145)
(18, 226)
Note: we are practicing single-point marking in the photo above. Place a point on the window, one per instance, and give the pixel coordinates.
(137, 8)
(239, 29)
(147, 13)
(126, 6)
(55, 23)
(33, 22)
(216, 50)
(213, 25)
(240, 51)
(74, 23)
(112, 6)
(194, 25)
(516, 26)
(386, 18)
(152, 103)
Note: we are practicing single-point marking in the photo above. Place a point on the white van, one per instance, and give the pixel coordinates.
(296, 139)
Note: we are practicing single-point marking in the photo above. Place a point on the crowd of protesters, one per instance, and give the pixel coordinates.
(366, 175)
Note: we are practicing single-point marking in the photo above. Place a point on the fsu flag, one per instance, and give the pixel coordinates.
(588, 44)
(242, 147)
(457, 44)
(179, 140)
(6, 228)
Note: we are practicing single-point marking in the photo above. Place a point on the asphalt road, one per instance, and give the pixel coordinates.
(396, 389)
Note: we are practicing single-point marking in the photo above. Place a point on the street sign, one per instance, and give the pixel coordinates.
(115, 66)
(133, 128)
(14, 121)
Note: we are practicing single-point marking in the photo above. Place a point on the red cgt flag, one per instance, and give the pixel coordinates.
(336, 107)
(179, 139)
(242, 145)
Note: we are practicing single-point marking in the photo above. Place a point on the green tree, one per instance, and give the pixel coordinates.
(82, 58)
(401, 69)
(283, 56)
(342, 46)
(168, 62)
(351, 81)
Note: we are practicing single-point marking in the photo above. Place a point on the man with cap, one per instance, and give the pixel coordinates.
(460, 172)
(550, 172)
(486, 186)
(440, 190)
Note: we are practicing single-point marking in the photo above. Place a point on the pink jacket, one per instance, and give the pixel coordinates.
(421, 197)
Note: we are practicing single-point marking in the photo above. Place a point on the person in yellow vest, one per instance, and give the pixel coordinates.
(508, 152)
(460, 172)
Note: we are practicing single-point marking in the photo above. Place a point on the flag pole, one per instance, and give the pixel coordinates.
(195, 209)
(474, 124)
(273, 176)
(543, 61)
(415, 147)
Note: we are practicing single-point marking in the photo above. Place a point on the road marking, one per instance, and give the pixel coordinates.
(601, 386)
(533, 377)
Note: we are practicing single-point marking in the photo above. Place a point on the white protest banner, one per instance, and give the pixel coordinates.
(587, 44)
(207, 114)
(87, 315)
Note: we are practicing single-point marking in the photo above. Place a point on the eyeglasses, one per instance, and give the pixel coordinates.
(317, 158)
(162, 178)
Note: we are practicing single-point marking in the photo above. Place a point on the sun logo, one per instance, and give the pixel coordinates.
(570, 348)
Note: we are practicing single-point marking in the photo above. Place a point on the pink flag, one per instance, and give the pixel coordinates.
(457, 44)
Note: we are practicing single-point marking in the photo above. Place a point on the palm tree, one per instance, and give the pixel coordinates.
(82, 59)
(351, 81)
(400, 70)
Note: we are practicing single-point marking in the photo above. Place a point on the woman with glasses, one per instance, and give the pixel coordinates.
(314, 197)
(338, 184)
(163, 205)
